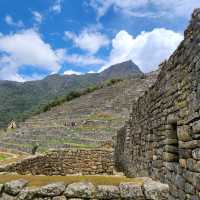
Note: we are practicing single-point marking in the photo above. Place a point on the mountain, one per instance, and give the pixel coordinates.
(87, 121)
(20, 100)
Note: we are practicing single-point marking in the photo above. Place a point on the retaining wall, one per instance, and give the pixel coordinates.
(162, 137)
(150, 190)
(65, 161)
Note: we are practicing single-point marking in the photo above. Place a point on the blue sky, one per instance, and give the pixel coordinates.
(42, 37)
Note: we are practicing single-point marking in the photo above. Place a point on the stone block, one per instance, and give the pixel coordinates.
(14, 187)
(183, 133)
(80, 190)
(196, 154)
(131, 191)
(107, 192)
(156, 191)
(170, 157)
(51, 190)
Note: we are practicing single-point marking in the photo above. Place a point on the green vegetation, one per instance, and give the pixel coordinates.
(36, 181)
(73, 95)
(3, 157)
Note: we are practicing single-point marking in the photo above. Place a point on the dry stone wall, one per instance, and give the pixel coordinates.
(65, 161)
(162, 137)
(17, 190)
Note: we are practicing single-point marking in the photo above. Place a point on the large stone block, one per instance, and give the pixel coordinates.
(51, 190)
(80, 190)
(131, 191)
(156, 191)
(107, 192)
(14, 187)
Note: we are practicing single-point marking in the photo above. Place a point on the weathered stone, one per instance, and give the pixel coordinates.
(189, 188)
(6, 197)
(156, 191)
(14, 187)
(59, 198)
(183, 133)
(189, 145)
(196, 127)
(179, 182)
(51, 190)
(1, 187)
(107, 192)
(196, 154)
(131, 191)
(26, 194)
(80, 190)
(169, 157)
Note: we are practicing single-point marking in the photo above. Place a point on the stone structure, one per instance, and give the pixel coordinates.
(65, 161)
(12, 125)
(150, 190)
(162, 137)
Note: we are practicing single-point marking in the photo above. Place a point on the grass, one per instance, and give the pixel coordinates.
(6, 158)
(36, 181)
(3, 157)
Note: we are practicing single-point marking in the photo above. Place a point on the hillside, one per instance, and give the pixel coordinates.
(20, 100)
(87, 121)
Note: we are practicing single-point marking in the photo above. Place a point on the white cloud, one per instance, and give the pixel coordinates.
(70, 72)
(142, 8)
(83, 60)
(91, 72)
(89, 40)
(147, 50)
(26, 48)
(9, 20)
(37, 16)
(57, 6)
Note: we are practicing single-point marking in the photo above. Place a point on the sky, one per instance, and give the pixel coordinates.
(43, 37)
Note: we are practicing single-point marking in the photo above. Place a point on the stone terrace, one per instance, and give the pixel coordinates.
(97, 116)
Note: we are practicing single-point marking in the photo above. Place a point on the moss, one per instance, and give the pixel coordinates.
(44, 180)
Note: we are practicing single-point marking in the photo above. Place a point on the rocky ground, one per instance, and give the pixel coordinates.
(88, 121)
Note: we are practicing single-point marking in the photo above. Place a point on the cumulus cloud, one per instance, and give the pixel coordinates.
(147, 50)
(26, 48)
(141, 8)
(71, 72)
(89, 40)
(10, 21)
(57, 6)
(37, 16)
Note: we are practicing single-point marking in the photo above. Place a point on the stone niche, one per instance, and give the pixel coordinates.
(65, 161)
(162, 137)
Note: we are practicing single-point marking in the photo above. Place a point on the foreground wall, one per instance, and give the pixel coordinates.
(150, 190)
(162, 137)
(65, 161)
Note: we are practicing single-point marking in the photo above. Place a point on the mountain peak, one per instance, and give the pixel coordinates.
(124, 69)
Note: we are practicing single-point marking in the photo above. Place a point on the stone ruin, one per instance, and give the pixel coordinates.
(162, 137)
(160, 140)
(12, 125)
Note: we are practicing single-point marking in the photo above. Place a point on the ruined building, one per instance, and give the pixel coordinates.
(162, 137)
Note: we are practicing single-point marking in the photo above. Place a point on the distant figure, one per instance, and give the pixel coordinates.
(12, 125)
(35, 148)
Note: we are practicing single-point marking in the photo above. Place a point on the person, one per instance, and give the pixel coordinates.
(35, 148)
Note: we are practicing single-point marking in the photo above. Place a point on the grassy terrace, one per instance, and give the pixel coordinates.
(36, 181)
